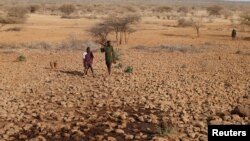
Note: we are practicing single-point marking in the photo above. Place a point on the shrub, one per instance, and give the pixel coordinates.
(184, 22)
(34, 8)
(21, 58)
(15, 15)
(129, 69)
(245, 19)
(70, 17)
(67, 9)
(163, 9)
(226, 13)
(214, 10)
(11, 20)
(18, 12)
(183, 9)
(164, 131)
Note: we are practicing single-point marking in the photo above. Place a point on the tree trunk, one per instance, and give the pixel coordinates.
(125, 37)
(198, 31)
(116, 36)
(120, 37)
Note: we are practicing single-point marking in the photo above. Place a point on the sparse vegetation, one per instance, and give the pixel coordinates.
(34, 8)
(15, 15)
(197, 23)
(17, 12)
(214, 10)
(164, 131)
(184, 10)
(129, 69)
(163, 9)
(119, 66)
(67, 9)
(184, 22)
(21, 58)
(245, 19)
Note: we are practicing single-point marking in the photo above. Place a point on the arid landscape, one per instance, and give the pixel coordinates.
(177, 70)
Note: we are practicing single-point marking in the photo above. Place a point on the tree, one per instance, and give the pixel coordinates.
(120, 25)
(100, 32)
(197, 24)
(67, 9)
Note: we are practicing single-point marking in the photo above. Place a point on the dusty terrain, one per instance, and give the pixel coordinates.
(172, 94)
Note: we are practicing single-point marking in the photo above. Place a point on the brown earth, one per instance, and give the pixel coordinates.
(173, 92)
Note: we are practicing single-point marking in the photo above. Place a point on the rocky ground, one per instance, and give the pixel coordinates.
(169, 96)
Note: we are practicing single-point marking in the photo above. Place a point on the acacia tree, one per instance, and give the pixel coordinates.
(121, 26)
(100, 32)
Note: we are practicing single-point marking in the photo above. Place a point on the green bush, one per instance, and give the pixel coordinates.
(129, 69)
(21, 58)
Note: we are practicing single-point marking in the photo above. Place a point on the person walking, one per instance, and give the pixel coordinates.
(88, 61)
(109, 55)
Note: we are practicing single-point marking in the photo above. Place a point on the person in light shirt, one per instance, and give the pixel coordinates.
(88, 61)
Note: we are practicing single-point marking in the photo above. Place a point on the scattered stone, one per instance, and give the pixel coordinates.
(129, 137)
(111, 139)
(243, 111)
(119, 131)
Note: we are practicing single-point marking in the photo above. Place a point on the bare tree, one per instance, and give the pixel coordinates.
(197, 23)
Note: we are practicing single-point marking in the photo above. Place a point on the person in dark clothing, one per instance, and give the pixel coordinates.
(233, 34)
(88, 61)
(109, 55)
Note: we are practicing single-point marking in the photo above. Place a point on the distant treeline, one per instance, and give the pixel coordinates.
(177, 2)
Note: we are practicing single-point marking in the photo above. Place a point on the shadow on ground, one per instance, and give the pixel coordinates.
(75, 73)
